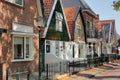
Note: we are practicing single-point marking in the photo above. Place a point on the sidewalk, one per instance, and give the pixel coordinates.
(112, 74)
(109, 71)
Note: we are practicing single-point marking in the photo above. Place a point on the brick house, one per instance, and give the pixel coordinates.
(19, 45)
(107, 31)
(76, 29)
(89, 18)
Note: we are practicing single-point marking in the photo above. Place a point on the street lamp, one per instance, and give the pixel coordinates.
(39, 20)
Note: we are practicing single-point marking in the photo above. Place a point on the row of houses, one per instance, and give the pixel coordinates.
(71, 31)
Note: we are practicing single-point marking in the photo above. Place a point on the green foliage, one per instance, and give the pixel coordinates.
(116, 5)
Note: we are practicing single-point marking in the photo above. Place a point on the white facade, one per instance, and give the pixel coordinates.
(64, 50)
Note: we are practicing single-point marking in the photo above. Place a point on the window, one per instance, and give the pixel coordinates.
(88, 28)
(59, 19)
(22, 47)
(78, 30)
(48, 46)
(17, 2)
(18, 48)
(57, 48)
(93, 30)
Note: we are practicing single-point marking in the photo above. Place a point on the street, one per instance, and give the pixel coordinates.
(110, 71)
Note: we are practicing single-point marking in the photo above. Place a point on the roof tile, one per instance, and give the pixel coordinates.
(70, 14)
(47, 7)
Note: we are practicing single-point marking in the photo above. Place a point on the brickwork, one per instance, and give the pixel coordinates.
(82, 36)
(89, 17)
(25, 15)
(47, 7)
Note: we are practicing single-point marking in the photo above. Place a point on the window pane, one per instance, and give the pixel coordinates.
(59, 19)
(18, 48)
(79, 30)
(88, 28)
(19, 2)
(79, 33)
(60, 26)
(57, 22)
(27, 47)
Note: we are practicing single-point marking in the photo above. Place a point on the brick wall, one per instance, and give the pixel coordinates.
(26, 15)
(76, 38)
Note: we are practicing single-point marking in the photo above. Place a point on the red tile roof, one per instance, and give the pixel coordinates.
(47, 7)
(70, 14)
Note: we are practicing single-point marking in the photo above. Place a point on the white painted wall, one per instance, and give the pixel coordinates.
(68, 50)
(76, 50)
(60, 50)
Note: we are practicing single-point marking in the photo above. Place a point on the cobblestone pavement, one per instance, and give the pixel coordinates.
(109, 71)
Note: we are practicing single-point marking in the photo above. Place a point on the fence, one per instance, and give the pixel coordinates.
(73, 67)
(53, 69)
(18, 74)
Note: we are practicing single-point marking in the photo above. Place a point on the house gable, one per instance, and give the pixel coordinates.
(79, 29)
(70, 14)
(50, 31)
(73, 16)
(108, 29)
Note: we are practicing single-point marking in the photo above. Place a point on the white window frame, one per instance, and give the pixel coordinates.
(59, 19)
(14, 2)
(30, 52)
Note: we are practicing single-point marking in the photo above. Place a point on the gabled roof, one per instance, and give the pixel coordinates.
(107, 27)
(70, 14)
(76, 3)
(49, 7)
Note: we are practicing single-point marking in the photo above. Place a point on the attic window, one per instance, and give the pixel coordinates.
(78, 30)
(16, 2)
(59, 19)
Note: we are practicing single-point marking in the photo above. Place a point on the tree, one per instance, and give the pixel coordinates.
(116, 5)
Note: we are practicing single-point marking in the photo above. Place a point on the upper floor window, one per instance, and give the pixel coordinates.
(93, 30)
(16, 2)
(88, 28)
(78, 30)
(22, 46)
(59, 19)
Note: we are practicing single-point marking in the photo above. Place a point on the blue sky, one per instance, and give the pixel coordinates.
(105, 10)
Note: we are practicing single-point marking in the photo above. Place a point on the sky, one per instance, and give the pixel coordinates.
(105, 10)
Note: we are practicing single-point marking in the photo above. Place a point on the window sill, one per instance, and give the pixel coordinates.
(22, 60)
